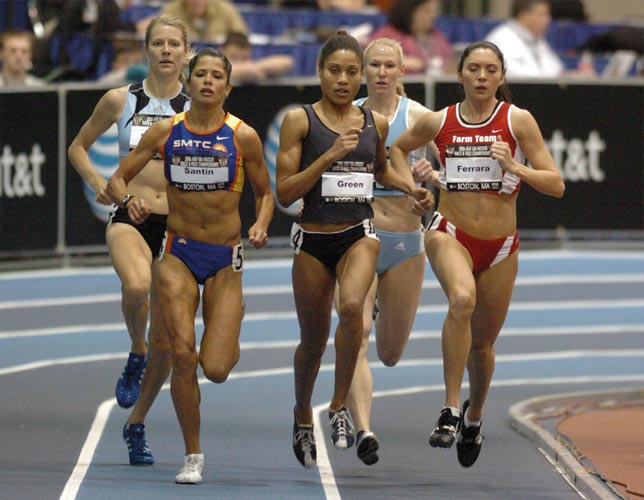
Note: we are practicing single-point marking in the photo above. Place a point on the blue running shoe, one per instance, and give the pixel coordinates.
(129, 384)
(137, 446)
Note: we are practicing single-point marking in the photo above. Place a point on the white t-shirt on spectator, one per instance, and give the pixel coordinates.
(525, 55)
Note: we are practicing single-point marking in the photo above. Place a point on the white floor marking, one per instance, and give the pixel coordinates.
(562, 279)
(87, 452)
(324, 465)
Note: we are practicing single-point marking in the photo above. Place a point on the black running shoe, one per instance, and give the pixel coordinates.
(445, 430)
(304, 445)
(468, 445)
(342, 430)
(367, 447)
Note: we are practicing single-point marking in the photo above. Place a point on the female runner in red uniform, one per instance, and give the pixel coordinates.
(485, 143)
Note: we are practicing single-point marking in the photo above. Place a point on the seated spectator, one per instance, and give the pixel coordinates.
(96, 20)
(343, 5)
(128, 61)
(522, 40)
(411, 22)
(239, 51)
(382, 5)
(16, 49)
(207, 20)
(568, 10)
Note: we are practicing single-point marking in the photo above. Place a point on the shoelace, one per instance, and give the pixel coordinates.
(447, 422)
(191, 465)
(339, 422)
(305, 438)
(471, 434)
(136, 441)
(130, 372)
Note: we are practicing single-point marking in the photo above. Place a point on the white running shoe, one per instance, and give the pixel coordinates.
(191, 471)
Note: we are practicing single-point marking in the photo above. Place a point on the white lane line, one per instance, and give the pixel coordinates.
(64, 330)
(56, 273)
(46, 363)
(514, 306)
(500, 358)
(87, 452)
(285, 263)
(553, 331)
(107, 270)
(564, 279)
(327, 476)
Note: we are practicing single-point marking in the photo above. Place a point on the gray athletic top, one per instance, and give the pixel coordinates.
(337, 207)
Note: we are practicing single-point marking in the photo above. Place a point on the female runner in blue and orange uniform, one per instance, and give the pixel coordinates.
(134, 247)
(207, 154)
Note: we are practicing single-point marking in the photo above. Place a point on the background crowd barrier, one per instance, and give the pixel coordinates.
(594, 130)
(300, 33)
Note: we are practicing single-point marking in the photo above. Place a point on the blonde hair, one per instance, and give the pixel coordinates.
(175, 22)
(397, 48)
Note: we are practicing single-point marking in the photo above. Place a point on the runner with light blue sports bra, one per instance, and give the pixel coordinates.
(401, 261)
(134, 246)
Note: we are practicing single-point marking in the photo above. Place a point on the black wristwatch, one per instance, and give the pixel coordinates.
(125, 200)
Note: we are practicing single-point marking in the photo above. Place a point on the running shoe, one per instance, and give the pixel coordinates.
(304, 445)
(342, 430)
(444, 432)
(468, 445)
(367, 447)
(137, 446)
(191, 471)
(129, 384)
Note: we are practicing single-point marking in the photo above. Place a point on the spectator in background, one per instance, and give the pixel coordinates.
(343, 5)
(568, 10)
(522, 39)
(238, 50)
(411, 22)
(16, 47)
(128, 62)
(94, 19)
(208, 20)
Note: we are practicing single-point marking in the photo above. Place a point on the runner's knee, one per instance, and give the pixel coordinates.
(462, 302)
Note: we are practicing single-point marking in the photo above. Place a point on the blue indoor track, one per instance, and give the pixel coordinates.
(576, 323)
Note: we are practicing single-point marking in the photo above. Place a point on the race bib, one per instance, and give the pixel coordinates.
(140, 124)
(470, 168)
(347, 187)
(199, 172)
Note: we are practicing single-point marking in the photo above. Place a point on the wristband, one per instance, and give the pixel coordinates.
(125, 200)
